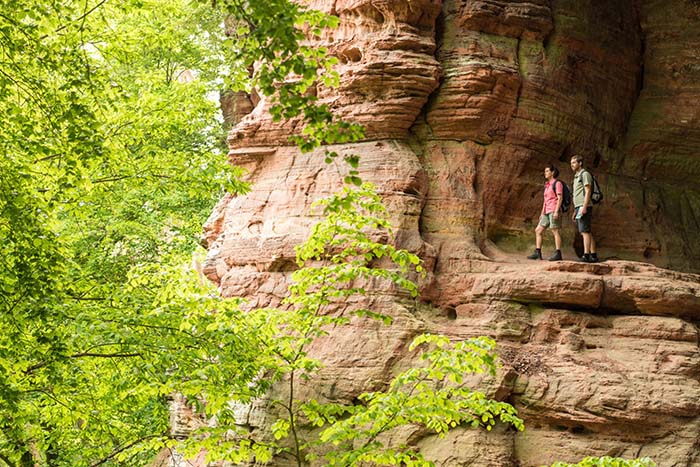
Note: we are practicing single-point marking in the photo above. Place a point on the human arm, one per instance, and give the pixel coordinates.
(586, 199)
(544, 200)
(587, 180)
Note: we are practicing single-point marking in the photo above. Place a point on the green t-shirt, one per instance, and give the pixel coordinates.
(581, 179)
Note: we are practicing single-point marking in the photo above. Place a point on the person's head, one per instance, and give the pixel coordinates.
(550, 171)
(576, 162)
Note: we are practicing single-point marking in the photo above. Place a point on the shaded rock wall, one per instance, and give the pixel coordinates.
(464, 102)
(511, 86)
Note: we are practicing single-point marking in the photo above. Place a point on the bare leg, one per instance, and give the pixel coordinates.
(538, 236)
(557, 239)
(586, 242)
(592, 243)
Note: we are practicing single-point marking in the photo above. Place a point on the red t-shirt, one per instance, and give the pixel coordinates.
(550, 198)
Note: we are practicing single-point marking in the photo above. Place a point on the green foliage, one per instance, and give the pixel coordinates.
(435, 397)
(111, 160)
(109, 166)
(334, 262)
(286, 66)
(339, 256)
(609, 462)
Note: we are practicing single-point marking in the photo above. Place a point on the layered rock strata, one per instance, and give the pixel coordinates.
(599, 359)
(464, 102)
(502, 88)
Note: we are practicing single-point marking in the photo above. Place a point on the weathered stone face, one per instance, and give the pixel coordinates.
(499, 89)
(464, 103)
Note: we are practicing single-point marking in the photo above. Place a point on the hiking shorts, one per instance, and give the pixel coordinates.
(548, 221)
(584, 223)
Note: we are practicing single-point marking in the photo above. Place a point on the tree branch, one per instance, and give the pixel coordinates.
(122, 449)
(7, 461)
(292, 421)
(37, 366)
(79, 18)
(105, 355)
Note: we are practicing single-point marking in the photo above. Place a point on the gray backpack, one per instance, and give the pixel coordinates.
(596, 192)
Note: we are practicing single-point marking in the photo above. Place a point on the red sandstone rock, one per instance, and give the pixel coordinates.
(519, 84)
(598, 358)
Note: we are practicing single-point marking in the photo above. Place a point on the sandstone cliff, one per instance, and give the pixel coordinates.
(464, 102)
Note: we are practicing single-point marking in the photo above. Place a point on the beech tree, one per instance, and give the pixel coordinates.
(111, 161)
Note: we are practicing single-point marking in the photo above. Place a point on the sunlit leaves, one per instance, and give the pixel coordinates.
(109, 166)
(112, 159)
(271, 40)
(434, 396)
(335, 261)
(607, 461)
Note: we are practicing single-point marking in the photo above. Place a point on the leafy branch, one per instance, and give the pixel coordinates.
(435, 397)
(123, 448)
(607, 461)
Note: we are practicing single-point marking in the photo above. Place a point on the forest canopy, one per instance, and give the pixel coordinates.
(113, 155)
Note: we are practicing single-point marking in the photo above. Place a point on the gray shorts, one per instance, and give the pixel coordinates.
(548, 221)
(584, 223)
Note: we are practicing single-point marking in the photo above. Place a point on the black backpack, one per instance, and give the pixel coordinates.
(596, 192)
(566, 195)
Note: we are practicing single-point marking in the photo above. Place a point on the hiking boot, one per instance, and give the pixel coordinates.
(594, 258)
(536, 255)
(585, 259)
(556, 256)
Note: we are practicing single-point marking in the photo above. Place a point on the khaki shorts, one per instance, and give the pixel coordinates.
(549, 222)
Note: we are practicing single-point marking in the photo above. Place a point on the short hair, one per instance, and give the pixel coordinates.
(553, 168)
(578, 158)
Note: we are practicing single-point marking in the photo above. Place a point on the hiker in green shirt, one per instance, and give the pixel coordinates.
(583, 208)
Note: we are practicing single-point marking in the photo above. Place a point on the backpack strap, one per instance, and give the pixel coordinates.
(554, 187)
(589, 173)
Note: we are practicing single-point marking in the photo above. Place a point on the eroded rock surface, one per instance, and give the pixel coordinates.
(464, 102)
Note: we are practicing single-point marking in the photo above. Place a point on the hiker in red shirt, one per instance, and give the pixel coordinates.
(551, 213)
